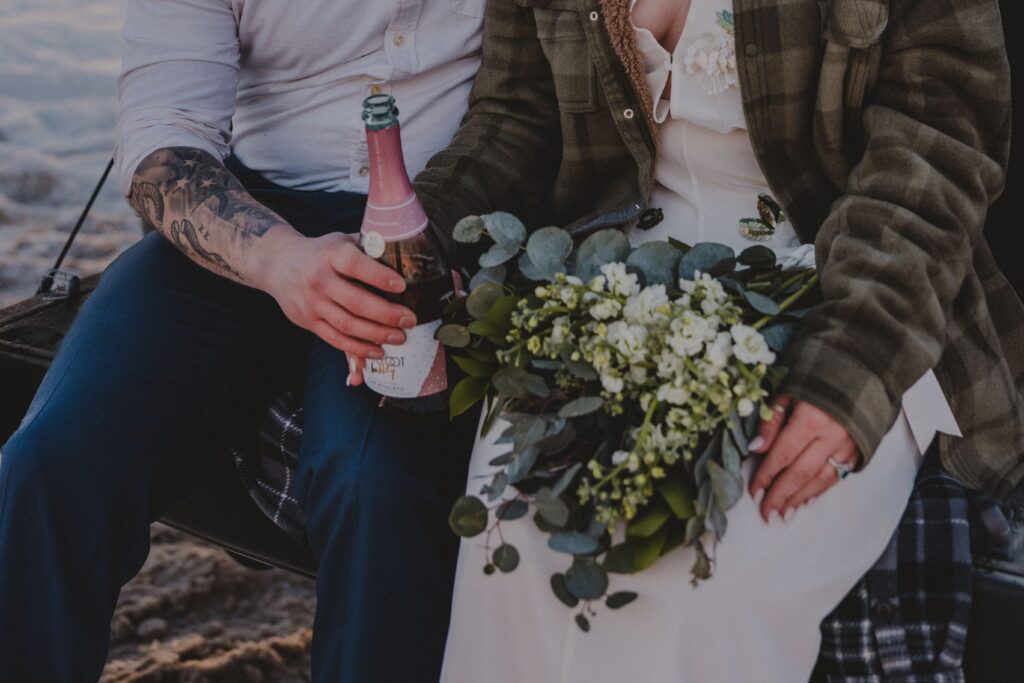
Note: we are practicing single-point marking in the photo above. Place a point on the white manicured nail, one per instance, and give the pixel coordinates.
(773, 517)
(755, 443)
(351, 371)
(789, 515)
(758, 496)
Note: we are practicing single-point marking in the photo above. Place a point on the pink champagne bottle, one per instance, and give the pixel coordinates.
(413, 375)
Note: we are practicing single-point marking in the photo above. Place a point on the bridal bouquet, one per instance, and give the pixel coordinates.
(630, 380)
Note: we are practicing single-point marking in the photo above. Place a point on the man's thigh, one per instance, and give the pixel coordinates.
(165, 364)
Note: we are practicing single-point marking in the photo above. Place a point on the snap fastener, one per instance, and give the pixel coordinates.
(399, 41)
(364, 171)
(628, 113)
(376, 90)
(884, 610)
(751, 50)
(594, 16)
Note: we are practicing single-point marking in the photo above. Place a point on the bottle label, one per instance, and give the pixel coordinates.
(415, 368)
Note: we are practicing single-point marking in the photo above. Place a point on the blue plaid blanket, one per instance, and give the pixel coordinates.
(904, 622)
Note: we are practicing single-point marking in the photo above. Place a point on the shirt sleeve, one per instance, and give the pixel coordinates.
(178, 80)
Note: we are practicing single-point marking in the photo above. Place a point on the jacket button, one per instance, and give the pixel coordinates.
(594, 16)
(751, 50)
(629, 113)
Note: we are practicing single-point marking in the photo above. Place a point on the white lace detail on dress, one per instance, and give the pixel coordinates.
(713, 56)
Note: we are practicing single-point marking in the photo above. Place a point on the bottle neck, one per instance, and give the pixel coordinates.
(391, 191)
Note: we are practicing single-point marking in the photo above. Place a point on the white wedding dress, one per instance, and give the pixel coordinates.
(757, 618)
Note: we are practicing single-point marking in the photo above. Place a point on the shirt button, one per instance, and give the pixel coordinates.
(594, 16)
(751, 50)
(364, 171)
(884, 610)
(629, 113)
(399, 41)
(376, 90)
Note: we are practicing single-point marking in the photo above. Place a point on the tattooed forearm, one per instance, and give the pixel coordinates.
(192, 200)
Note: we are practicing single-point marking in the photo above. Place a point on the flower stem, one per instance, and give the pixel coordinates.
(789, 301)
(644, 428)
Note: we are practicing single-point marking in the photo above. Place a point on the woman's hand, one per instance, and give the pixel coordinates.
(798, 442)
(321, 285)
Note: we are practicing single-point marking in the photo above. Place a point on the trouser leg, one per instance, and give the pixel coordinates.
(377, 487)
(163, 367)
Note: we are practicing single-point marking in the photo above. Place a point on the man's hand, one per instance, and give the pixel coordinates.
(798, 442)
(321, 285)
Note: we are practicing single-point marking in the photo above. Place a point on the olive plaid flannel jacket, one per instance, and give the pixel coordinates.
(882, 126)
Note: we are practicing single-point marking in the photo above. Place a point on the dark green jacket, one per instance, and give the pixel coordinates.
(882, 128)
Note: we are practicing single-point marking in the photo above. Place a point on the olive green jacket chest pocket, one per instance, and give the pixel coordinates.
(561, 35)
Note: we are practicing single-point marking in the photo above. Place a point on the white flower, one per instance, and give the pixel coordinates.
(597, 283)
(719, 350)
(605, 309)
(689, 333)
(670, 365)
(749, 346)
(745, 407)
(672, 394)
(628, 339)
(613, 384)
(619, 457)
(643, 308)
(619, 281)
(798, 258)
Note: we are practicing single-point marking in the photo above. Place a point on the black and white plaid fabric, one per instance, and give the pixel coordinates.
(904, 622)
(268, 468)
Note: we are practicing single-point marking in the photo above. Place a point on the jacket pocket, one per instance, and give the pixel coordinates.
(564, 42)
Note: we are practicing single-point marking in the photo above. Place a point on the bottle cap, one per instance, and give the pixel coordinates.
(379, 111)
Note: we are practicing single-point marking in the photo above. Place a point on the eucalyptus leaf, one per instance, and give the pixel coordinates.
(512, 509)
(572, 542)
(468, 230)
(731, 458)
(474, 368)
(680, 245)
(726, 486)
(718, 522)
(482, 328)
(551, 507)
(557, 441)
(620, 558)
(467, 393)
(496, 255)
(521, 464)
(586, 579)
(604, 246)
(506, 558)
(779, 334)
(585, 405)
(738, 431)
(468, 517)
(579, 369)
(511, 382)
(583, 623)
(677, 496)
(657, 261)
(707, 257)
(529, 270)
(562, 592)
(502, 460)
(548, 248)
(694, 530)
(761, 303)
(798, 313)
(455, 336)
(649, 521)
(497, 487)
(495, 274)
(757, 256)
(526, 431)
(620, 599)
(702, 565)
(482, 298)
(506, 230)
(566, 479)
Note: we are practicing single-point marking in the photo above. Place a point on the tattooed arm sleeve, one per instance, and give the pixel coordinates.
(191, 199)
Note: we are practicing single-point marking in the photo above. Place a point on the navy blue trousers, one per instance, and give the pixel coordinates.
(165, 368)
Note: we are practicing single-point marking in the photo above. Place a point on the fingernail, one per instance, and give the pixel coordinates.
(351, 365)
(789, 515)
(773, 517)
(756, 443)
(758, 496)
(396, 338)
(396, 284)
(407, 321)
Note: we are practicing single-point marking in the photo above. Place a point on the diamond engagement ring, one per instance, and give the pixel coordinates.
(842, 469)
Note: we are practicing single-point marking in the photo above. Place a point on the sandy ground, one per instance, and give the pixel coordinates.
(192, 614)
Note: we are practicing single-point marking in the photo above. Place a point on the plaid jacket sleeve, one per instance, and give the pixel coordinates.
(508, 146)
(897, 246)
